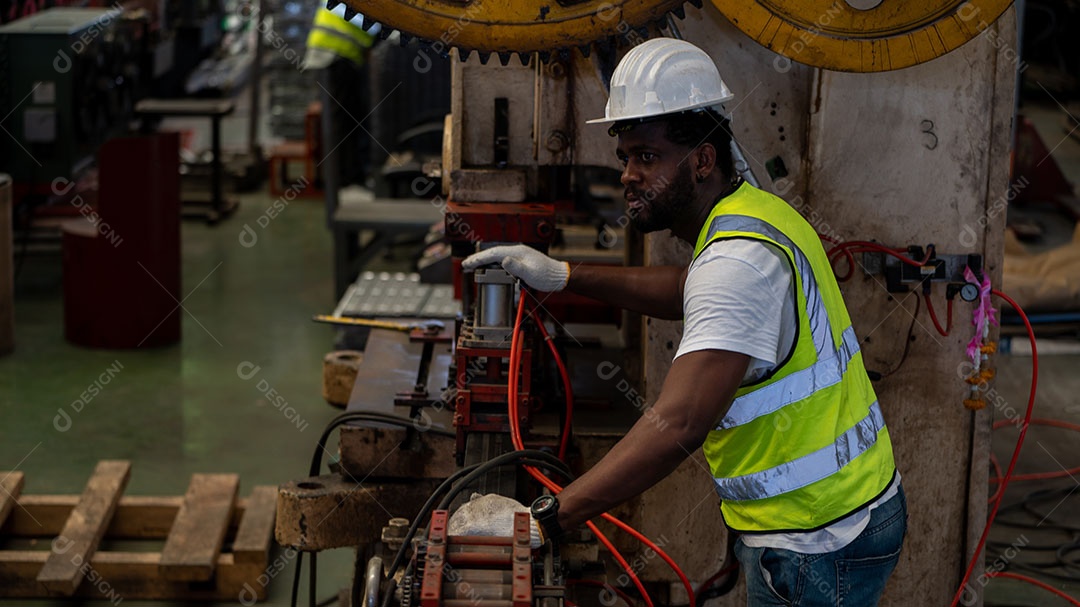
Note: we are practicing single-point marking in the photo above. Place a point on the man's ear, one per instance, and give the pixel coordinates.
(704, 159)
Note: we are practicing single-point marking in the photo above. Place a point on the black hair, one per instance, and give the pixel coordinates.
(693, 128)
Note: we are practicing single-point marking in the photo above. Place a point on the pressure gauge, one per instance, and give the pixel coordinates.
(969, 292)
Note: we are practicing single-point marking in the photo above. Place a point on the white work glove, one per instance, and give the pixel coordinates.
(537, 270)
(491, 515)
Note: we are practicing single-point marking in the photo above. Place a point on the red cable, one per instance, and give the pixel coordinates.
(862, 246)
(516, 344)
(850, 260)
(1031, 580)
(618, 558)
(515, 434)
(625, 527)
(996, 479)
(1016, 450)
(564, 442)
(1036, 476)
(933, 316)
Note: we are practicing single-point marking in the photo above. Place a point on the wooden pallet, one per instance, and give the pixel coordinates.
(216, 546)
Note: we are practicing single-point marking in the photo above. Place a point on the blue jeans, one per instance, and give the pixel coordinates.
(853, 576)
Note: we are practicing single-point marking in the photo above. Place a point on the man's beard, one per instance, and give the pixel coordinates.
(662, 206)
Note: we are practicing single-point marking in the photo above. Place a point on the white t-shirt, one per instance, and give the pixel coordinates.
(740, 297)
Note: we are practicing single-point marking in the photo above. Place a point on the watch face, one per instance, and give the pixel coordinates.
(543, 503)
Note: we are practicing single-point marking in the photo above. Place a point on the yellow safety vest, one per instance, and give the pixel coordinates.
(806, 445)
(332, 33)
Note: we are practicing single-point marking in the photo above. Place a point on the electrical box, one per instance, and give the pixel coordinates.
(58, 91)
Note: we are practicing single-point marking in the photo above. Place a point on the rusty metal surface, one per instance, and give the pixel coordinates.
(329, 511)
(389, 367)
(380, 453)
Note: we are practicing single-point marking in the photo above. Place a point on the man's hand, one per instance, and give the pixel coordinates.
(491, 515)
(537, 270)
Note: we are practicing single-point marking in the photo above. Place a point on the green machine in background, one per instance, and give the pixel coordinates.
(64, 86)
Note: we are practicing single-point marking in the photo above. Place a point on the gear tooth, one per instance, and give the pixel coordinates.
(366, 24)
(679, 11)
(483, 57)
(525, 58)
(463, 54)
(350, 13)
(585, 50)
(332, 4)
(504, 58)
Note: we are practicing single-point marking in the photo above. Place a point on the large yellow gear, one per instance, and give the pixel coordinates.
(843, 35)
(863, 35)
(515, 26)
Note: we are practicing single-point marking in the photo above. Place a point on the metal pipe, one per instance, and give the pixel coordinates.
(742, 167)
(372, 579)
(494, 305)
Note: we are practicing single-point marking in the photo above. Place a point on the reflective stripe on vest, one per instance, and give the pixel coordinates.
(827, 371)
(332, 33)
(809, 468)
(807, 444)
(793, 388)
(832, 362)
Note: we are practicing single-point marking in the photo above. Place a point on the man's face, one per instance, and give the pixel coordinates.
(656, 174)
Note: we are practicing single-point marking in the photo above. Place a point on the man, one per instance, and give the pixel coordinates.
(768, 379)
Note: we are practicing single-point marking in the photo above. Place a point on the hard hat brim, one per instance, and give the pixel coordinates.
(697, 106)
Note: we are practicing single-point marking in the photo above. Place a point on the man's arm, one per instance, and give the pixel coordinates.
(655, 291)
(695, 396)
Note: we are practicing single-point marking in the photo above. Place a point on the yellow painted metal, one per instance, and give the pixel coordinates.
(832, 34)
(515, 25)
(363, 322)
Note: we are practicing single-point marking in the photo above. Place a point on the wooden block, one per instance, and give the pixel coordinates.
(72, 549)
(253, 537)
(11, 484)
(196, 537)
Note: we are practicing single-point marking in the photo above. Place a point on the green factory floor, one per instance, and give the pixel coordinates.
(185, 409)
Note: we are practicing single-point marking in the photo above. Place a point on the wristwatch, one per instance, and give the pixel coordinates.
(545, 509)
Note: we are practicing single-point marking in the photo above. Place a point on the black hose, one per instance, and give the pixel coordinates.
(1062, 565)
(466, 475)
(316, 465)
(397, 420)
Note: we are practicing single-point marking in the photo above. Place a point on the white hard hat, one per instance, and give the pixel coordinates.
(663, 76)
